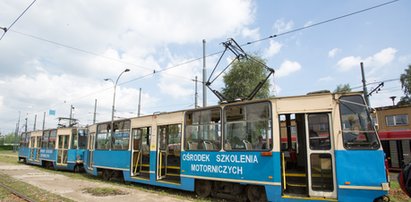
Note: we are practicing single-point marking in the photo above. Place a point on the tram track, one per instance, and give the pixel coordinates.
(16, 193)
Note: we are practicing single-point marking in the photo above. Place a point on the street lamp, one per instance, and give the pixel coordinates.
(114, 98)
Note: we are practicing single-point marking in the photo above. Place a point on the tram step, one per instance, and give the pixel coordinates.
(296, 185)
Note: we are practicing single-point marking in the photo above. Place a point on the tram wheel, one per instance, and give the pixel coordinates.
(49, 165)
(106, 175)
(203, 188)
(256, 193)
(77, 169)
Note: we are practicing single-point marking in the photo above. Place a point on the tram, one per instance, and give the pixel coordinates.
(315, 147)
(397, 147)
(61, 148)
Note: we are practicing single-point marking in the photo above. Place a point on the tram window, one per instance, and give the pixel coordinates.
(121, 135)
(38, 141)
(357, 127)
(74, 140)
(321, 172)
(143, 136)
(203, 130)
(82, 138)
(319, 134)
(45, 139)
(52, 139)
(248, 127)
(103, 136)
(284, 126)
(169, 138)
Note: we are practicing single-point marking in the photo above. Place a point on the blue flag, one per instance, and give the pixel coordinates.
(52, 112)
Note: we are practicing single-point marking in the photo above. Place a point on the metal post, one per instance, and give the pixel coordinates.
(139, 103)
(71, 114)
(35, 122)
(364, 85)
(95, 111)
(16, 133)
(196, 93)
(44, 120)
(25, 125)
(114, 102)
(204, 76)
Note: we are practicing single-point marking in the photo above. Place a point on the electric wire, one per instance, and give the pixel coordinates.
(320, 23)
(14, 22)
(196, 59)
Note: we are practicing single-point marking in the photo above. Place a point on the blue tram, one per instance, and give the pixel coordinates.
(61, 148)
(312, 147)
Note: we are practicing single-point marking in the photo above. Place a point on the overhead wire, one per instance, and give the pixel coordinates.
(320, 23)
(195, 59)
(14, 22)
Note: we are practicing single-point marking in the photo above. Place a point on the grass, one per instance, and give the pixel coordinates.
(103, 191)
(30, 191)
(396, 194)
(8, 156)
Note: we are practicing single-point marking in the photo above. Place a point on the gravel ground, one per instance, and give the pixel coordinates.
(73, 188)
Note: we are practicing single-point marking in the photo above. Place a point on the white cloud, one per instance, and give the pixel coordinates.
(253, 34)
(308, 23)
(378, 60)
(106, 37)
(333, 52)
(287, 68)
(1, 103)
(348, 63)
(177, 82)
(281, 26)
(325, 79)
(273, 49)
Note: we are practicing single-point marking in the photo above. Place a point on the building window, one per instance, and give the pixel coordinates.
(396, 120)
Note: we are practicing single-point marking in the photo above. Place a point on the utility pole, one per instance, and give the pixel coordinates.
(204, 75)
(196, 93)
(35, 122)
(16, 132)
(44, 120)
(139, 103)
(71, 114)
(364, 85)
(95, 111)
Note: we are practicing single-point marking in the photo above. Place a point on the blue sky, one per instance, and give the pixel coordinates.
(58, 53)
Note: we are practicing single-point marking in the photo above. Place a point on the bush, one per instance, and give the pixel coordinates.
(6, 147)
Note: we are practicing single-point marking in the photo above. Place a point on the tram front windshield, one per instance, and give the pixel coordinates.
(357, 127)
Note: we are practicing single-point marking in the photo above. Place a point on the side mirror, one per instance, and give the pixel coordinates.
(376, 126)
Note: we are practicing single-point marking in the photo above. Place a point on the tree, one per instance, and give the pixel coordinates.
(343, 88)
(405, 79)
(243, 77)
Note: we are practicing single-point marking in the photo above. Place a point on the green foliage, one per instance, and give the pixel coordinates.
(405, 79)
(6, 147)
(405, 100)
(9, 139)
(343, 88)
(243, 77)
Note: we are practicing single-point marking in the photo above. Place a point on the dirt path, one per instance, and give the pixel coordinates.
(72, 188)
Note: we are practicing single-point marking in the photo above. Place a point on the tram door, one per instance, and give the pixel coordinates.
(32, 148)
(62, 149)
(141, 152)
(307, 154)
(168, 152)
(320, 155)
(91, 146)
